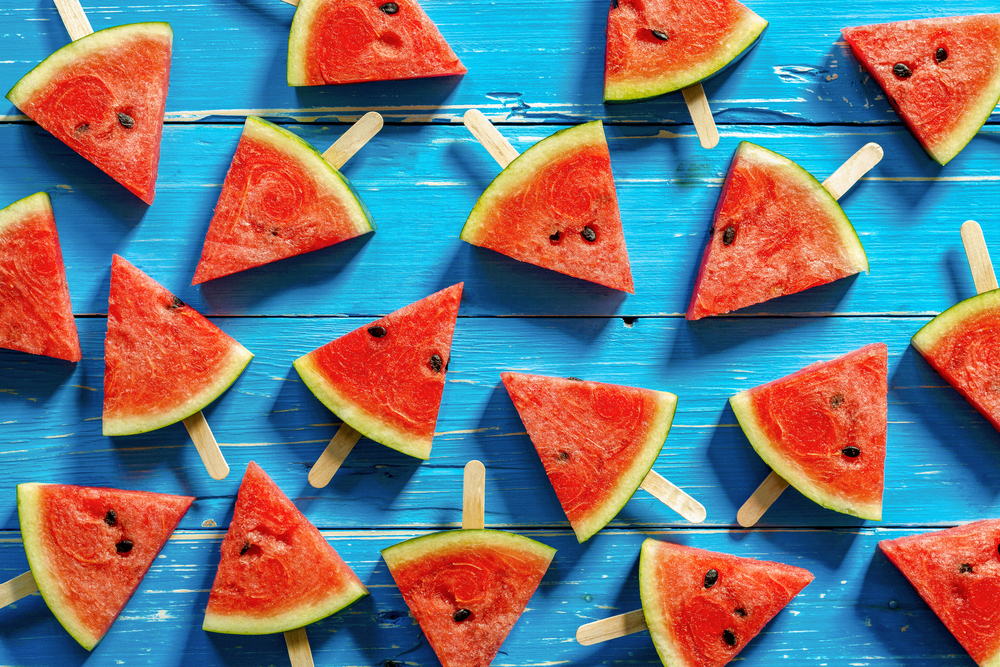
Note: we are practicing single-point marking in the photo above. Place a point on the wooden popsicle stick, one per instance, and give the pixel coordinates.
(491, 139)
(333, 456)
(299, 653)
(611, 627)
(208, 448)
(20, 586)
(701, 115)
(350, 142)
(474, 496)
(673, 497)
(76, 21)
(758, 502)
(293, 3)
(979, 257)
(851, 171)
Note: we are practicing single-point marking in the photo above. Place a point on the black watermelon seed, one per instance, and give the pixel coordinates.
(711, 577)
(436, 363)
(274, 231)
(614, 3)
(836, 401)
(660, 35)
(389, 8)
(82, 128)
(574, 379)
(729, 235)
(124, 546)
(729, 636)
(555, 237)
(940, 55)
(176, 303)
(111, 518)
(851, 451)
(563, 456)
(377, 331)
(740, 612)
(966, 568)
(711, 231)
(246, 548)
(126, 121)
(902, 71)
(462, 614)
(589, 234)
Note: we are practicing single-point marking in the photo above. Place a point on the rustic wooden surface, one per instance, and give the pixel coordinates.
(534, 68)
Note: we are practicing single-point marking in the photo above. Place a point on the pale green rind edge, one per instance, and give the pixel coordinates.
(22, 208)
(743, 409)
(663, 640)
(932, 332)
(356, 417)
(302, 21)
(629, 482)
(95, 42)
(404, 553)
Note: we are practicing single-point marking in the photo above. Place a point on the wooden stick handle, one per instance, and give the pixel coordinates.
(851, 171)
(299, 652)
(333, 456)
(474, 496)
(611, 628)
(350, 142)
(701, 115)
(491, 139)
(673, 497)
(20, 586)
(76, 22)
(208, 448)
(293, 3)
(979, 257)
(758, 502)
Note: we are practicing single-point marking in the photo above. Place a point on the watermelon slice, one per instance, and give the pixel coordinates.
(467, 588)
(776, 231)
(659, 46)
(163, 361)
(555, 206)
(386, 379)
(596, 441)
(35, 313)
(280, 198)
(277, 572)
(961, 345)
(941, 75)
(89, 548)
(703, 607)
(822, 429)
(351, 41)
(104, 96)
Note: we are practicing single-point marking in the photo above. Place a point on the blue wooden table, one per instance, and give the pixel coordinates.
(534, 68)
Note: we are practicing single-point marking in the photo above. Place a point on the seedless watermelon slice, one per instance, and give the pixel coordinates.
(351, 41)
(163, 360)
(89, 548)
(35, 313)
(280, 198)
(941, 75)
(104, 96)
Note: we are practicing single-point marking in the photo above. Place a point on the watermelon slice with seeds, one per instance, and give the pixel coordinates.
(35, 313)
(702, 607)
(823, 428)
(163, 360)
(776, 231)
(555, 206)
(104, 96)
(467, 588)
(386, 379)
(656, 47)
(89, 548)
(596, 441)
(280, 198)
(941, 75)
(277, 572)
(352, 41)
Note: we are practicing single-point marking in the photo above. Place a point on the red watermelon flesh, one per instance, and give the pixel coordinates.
(941, 75)
(351, 41)
(386, 379)
(957, 573)
(89, 548)
(596, 441)
(703, 607)
(467, 588)
(104, 96)
(280, 198)
(35, 313)
(776, 231)
(163, 360)
(277, 572)
(555, 206)
(823, 429)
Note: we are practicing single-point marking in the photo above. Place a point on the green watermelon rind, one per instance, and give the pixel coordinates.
(23, 208)
(416, 549)
(664, 642)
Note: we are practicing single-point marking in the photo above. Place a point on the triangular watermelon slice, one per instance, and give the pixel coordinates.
(280, 198)
(596, 441)
(467, 588)
(348, 41)
(941, 75)
(35, 313)
(104, 96)
(386, 378)
(277, 572)
(555, 206)
(89, 548)
(163, 360)
(776, 231)
(957, 573)
(703, 607)
(822, 429)
(660, 46)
